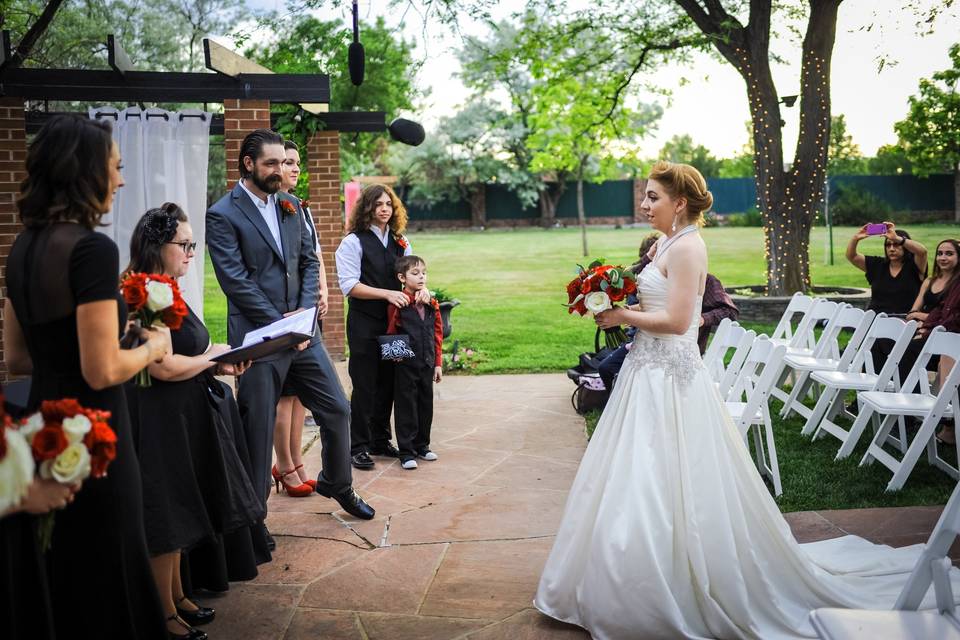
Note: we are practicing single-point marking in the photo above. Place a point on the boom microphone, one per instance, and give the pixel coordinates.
(355, 56)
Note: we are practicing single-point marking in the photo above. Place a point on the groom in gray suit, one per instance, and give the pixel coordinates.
(266, 264)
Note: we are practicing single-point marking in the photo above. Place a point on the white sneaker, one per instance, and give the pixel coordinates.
(409, 464)
(427, 455)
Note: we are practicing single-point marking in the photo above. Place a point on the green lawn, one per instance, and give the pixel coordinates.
(511, 284)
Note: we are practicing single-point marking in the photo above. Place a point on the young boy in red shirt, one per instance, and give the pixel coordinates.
(414, 378)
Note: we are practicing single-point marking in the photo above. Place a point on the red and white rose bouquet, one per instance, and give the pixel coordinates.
(596, 288)
(153, 299)
(16, 463)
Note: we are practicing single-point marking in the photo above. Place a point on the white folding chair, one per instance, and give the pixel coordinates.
(931, 408)
(759, 373)
(860, 376)
(729, 335)
(849, 318)
(717, 349)
(785, 331)
(732, 371)
(905, 622)
(825, 346)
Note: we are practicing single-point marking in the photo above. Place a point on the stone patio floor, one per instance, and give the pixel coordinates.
(457, 546)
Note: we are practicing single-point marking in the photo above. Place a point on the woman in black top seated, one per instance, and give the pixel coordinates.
(933, 288)
(894, 279)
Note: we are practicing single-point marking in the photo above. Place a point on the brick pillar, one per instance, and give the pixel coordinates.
(639, 193)
(13, 153)
(323, 164)
(240, 117)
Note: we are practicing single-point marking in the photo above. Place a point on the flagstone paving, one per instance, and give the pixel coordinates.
(457, 546)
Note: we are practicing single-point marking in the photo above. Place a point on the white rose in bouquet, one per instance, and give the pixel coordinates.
(70, 467)
(159, 295)
(597, 301)
(16, 468)
(76, 427)
(33, 424)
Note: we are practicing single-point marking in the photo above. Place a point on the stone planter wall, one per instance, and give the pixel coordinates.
(768, 310)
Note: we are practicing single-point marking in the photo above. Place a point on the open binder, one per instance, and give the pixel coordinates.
(266, 341)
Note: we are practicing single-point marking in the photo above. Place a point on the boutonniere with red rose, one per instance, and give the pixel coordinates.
(153, 299)
(287, 208)
(304, 204)
(68, 443)
(402, 241)
(596, 288)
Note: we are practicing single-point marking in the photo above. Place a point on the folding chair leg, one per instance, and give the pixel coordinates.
(913, 452)
(772, 455)
(823, 403)
(836, 408)
(875, 448)
(856, 431)
(799, 390)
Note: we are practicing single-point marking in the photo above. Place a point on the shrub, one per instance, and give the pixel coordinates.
(855, 206)
(711, 219)
(751, 218)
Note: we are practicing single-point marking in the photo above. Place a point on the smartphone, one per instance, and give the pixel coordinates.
(876, 229)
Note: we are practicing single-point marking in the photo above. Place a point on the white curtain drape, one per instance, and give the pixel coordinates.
(165, 157)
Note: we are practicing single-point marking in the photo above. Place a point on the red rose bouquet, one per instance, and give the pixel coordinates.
(153, 299)
(69, 443)
(596, 288)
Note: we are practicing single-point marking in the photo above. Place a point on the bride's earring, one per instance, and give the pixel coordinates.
(673, 227)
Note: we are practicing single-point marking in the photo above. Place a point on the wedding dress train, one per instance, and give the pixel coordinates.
(670, 532)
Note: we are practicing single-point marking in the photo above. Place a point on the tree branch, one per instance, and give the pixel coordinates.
(37, 29)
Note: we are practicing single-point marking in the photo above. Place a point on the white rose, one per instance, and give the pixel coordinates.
(76, 427)
(16, 469)
(70, 467)
(597, 301)
(33, 424)
(159, 295)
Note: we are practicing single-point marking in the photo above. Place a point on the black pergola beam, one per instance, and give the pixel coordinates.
(342, 121)
(162, 86)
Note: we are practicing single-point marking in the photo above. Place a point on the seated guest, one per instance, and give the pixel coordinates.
(933, 288)
(194, 485)
(717, 305)
(896, 277)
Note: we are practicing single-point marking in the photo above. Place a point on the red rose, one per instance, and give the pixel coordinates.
(101, 441)
(57, 410)
(287, 208)
(174, 314)
(49, 442)
(585, 287)
(402, 242)
(134, 289)
(629, 286)
(616, 295)
(580, 308)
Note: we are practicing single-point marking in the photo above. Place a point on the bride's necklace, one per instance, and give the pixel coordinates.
(690, 228)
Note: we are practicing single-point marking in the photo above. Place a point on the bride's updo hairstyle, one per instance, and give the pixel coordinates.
(684, 181)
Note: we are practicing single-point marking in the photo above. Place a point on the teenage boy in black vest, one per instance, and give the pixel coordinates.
(365, 261)
(414, 378)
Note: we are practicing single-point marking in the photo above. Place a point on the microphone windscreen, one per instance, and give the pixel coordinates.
(355, 63)
(406, 131)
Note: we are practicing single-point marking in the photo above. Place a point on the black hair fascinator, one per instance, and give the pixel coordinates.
(160, 226)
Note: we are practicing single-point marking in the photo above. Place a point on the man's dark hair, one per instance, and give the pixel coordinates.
(252, 146)
(405, 263)
(290, 144)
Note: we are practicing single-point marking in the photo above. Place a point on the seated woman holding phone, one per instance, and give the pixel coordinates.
(896, 277)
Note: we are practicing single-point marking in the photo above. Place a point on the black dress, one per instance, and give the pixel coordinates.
(889, 294)
(98, 573)
(196, 488)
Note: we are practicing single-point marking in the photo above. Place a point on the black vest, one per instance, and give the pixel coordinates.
(421, 332)
(376, 270)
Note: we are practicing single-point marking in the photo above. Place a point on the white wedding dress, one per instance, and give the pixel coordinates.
(669, 531)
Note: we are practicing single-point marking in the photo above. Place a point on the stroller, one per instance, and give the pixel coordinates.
(591, 394)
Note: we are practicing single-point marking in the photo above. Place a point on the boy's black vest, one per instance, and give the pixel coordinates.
(369, 317)
(421, 332)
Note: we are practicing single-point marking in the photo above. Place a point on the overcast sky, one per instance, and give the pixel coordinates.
(711, 105)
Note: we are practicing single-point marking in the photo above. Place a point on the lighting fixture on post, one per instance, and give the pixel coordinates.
(355, 56)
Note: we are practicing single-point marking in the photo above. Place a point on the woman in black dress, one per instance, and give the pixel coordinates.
(194, 483)
(896, 277)
(62, 322)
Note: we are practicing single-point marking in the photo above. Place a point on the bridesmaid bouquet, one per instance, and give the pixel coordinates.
(153, 299)
(68, 443)
(16, 463)
(596, 288)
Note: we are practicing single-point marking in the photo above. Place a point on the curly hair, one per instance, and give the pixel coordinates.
(365, 209)
(68, 173)
(684, 181)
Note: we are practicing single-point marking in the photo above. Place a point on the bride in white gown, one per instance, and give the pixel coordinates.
(668, 530)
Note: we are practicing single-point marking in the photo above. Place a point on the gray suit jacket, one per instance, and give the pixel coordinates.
(260, 282)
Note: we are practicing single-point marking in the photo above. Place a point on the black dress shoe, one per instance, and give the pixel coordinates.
(203, 615)
(362, 461)
(191, 633)
(350, 502)
(271, 543)
(387, 450)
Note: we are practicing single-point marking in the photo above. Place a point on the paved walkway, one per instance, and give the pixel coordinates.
(457, 546)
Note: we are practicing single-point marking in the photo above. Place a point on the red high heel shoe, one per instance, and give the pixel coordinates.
(312, 483)
(293, 490)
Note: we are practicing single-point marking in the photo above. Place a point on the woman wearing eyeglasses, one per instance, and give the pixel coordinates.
(896, 277)
(195, 486)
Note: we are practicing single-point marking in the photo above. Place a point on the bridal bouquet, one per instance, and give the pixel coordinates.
(153, 299)
(596, 288)
(68, 443)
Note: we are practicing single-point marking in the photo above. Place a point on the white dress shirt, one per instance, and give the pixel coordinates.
(268, 210)
(350, 253)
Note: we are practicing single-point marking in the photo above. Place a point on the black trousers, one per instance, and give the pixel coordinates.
(312, 378)
(413, 406)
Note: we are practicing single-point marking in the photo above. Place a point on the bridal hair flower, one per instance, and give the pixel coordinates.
(160, 227)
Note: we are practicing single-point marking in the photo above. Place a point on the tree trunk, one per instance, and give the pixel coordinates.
(581, 214)
(478, 206)
(549, 198)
